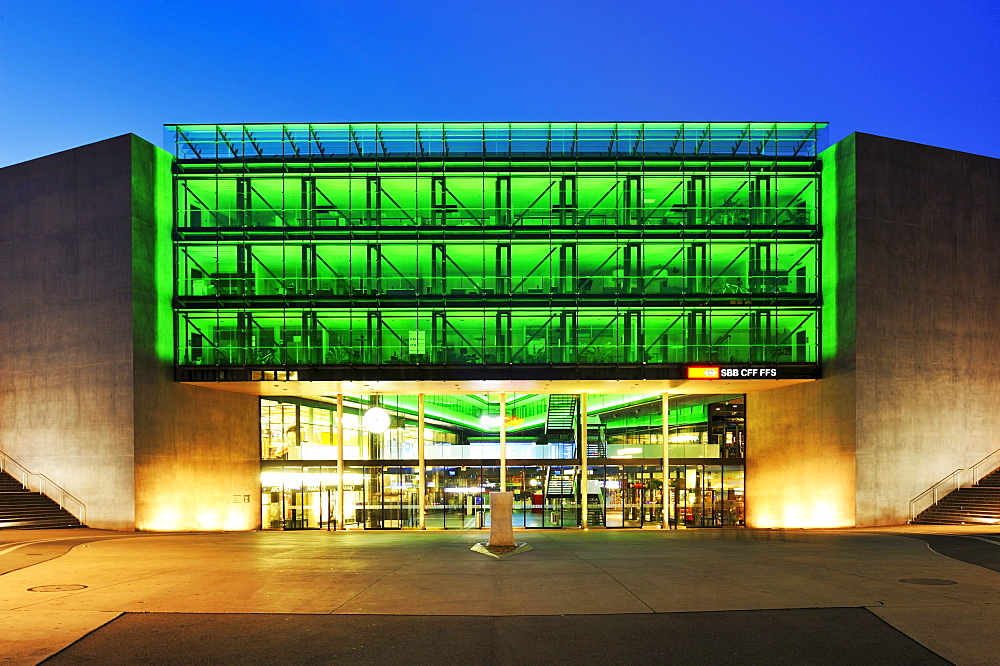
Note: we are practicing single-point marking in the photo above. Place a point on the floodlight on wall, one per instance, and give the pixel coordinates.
(376, 420)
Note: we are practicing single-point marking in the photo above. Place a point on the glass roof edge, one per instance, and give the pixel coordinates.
(453, 140)
(474, 123)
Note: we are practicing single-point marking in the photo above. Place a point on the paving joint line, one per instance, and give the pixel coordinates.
(608, 574)
(391, 571)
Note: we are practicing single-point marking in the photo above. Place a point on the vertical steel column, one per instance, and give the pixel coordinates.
(583, 460)
(503, 442)
(421, 469)
(340, 461)
(666, 462)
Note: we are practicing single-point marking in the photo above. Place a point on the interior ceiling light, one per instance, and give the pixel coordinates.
(376, 420)
(490, 421)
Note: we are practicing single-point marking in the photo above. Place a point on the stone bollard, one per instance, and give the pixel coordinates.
(501, 542)
(501, 519)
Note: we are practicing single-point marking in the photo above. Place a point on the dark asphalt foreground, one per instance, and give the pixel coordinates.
(796, 636)
(973, 548)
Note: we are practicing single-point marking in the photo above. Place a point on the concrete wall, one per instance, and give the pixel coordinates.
(197, 450)
(88, 396)
(911, 346)
(65, 324)
(928, 303)
(801, 439)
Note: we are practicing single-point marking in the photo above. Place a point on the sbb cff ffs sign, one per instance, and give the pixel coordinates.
(724, 372)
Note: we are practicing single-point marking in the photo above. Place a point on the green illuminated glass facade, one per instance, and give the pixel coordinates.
(484, 245)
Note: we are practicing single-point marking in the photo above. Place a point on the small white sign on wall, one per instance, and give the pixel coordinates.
(418, 342)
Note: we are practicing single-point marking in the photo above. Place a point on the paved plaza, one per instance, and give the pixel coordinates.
(603, 596)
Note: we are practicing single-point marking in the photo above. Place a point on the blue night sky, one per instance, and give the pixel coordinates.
(76, 72)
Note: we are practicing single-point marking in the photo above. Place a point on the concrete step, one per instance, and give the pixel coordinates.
(956, 522)
(976, 505)
(39, 524)
(28, 513)
(962, 517)
(958, 504)
(23, 509)
(977, 493)
(967, 501)
(28, 502)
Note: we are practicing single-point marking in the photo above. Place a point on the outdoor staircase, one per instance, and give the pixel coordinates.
(978, 504)
(23, 509)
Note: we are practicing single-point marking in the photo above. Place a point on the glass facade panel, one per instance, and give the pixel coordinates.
(708, 495)
(466, 336)
(556, 197)
(298, 497)
(627, 496)
(624, 444)
(538, 427)
(458, 496)
(545, 496)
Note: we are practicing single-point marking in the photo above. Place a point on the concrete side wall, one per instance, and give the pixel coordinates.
(801, 439)
(928, 294)
(65, 323)
(196, 449)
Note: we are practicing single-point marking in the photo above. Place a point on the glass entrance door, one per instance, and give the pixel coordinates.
(632, 494)
(458, 496)
(381, 498)
(298, 497)
(708, 495)
(544, 495)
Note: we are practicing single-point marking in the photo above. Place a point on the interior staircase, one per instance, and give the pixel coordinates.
(559, 485)
(563, 413)
(597, 445)
(595, 511)
(977, 504)
(23, 509)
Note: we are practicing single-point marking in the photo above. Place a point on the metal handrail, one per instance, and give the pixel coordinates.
(39, 483)
(963, 477)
